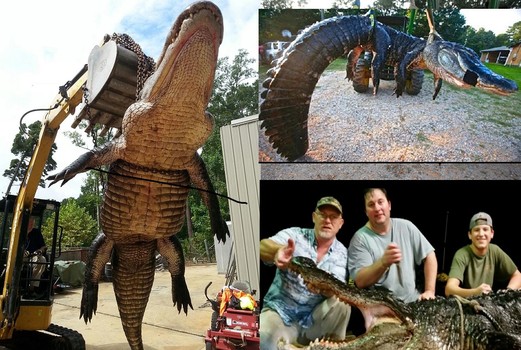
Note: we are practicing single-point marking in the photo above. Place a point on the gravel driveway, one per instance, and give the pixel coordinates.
(345, 126)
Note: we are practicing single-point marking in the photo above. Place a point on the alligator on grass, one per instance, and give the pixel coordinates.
(291, 81)
(152, 165)
(491, 322)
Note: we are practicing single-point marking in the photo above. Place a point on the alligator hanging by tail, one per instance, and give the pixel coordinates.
(152, 165)
(491, 322)
(291, 81)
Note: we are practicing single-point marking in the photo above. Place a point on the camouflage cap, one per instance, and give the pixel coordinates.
(329, 201)
(480, 219)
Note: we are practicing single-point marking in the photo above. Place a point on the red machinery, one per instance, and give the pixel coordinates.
(233, 326)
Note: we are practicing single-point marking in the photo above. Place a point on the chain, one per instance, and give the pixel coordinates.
(145, 64)
(86, 100)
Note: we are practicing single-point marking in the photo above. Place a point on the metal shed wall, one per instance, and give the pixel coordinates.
(240, 143)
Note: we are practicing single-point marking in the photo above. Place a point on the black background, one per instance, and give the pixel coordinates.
(440, 209)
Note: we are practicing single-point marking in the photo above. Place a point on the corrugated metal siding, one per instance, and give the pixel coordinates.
(240, 143)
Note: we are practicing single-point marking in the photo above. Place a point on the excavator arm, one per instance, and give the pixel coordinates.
(67, 100)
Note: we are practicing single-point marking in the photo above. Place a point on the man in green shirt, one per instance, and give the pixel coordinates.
(475, 267)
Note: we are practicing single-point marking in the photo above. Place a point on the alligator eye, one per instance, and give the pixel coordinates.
(304, 261)
(470, 78)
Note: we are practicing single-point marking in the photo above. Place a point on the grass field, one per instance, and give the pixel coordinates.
(509, 72)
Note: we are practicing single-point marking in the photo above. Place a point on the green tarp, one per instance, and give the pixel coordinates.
(70, 272)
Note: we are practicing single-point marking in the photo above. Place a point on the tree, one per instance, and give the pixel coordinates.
(23, 146)
(480, 40)
(448, 22)
(92, 190)
(235, 95)
(281, 4)
(514, 32)
(79, 228)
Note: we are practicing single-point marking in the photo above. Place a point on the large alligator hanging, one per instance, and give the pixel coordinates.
(152, 165)
(291, 82)
(491, 322)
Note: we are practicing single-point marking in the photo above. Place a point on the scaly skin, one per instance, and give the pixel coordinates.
(491, 322)
(161, 133)
(291, 82)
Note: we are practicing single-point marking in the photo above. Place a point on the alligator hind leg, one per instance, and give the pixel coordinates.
(133, 276)
(100, 252)
(171, 249)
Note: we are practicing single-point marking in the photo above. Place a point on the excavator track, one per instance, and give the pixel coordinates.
(54, 338)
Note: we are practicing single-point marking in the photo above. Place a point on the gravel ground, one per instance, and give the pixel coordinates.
(345, 126)
(390, 171)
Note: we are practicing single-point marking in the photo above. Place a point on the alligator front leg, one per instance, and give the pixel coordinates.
(200, 179)
(94, 158)
(437, 86)
(381, 44)
(100, 252)
(171, 249)
(412, 60)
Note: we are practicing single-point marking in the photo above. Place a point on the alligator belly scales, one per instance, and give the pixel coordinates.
(152, 164)
(292, 79)
(488, 322)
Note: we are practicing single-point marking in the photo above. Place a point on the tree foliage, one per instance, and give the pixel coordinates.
(79, 228)
(234, 96)
(281, 4)
(23, 145)
(480, 40)
(514, 32)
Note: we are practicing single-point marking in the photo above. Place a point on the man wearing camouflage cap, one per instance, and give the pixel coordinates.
(476, 266)
(290, 311)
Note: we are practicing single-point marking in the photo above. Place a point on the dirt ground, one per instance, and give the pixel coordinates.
(163, 327)
(459, 126)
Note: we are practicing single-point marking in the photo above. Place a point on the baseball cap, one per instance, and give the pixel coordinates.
(484, 217)
(329, 201)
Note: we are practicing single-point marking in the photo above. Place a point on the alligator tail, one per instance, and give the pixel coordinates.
(290, 83)
(133, 276)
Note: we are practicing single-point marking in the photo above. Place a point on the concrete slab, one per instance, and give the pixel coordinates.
(163, 327)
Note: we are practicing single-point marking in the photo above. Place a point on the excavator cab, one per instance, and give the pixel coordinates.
(30, 297)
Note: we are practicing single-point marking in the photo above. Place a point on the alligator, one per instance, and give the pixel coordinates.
(491, 321)
(153, 163)
(287, 92)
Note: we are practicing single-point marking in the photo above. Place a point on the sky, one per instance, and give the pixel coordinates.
(44, 44)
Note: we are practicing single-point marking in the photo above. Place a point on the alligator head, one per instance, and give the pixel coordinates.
(192, 43)
(181, 85)
(462, 67)
(382, 313)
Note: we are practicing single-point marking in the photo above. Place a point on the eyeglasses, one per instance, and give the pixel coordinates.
(331, 217)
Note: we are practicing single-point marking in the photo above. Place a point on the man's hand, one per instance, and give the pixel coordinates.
(428, 294)
(284, 255)
(392, 255)
(484, 288)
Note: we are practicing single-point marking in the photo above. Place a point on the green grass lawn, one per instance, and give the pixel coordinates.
(510, 72)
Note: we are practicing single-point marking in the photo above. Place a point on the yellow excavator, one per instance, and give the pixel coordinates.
(26, 318)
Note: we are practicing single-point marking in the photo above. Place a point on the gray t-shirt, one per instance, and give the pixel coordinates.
(366, 247)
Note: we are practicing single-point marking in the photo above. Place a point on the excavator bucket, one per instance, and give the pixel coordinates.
(111, 86)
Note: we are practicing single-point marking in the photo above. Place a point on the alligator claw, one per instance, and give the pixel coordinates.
(76, 167)
(180, 294)
(89, 301)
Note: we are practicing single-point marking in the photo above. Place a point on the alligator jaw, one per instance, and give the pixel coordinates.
(461, 66)
(191, 48)
(376, 306)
